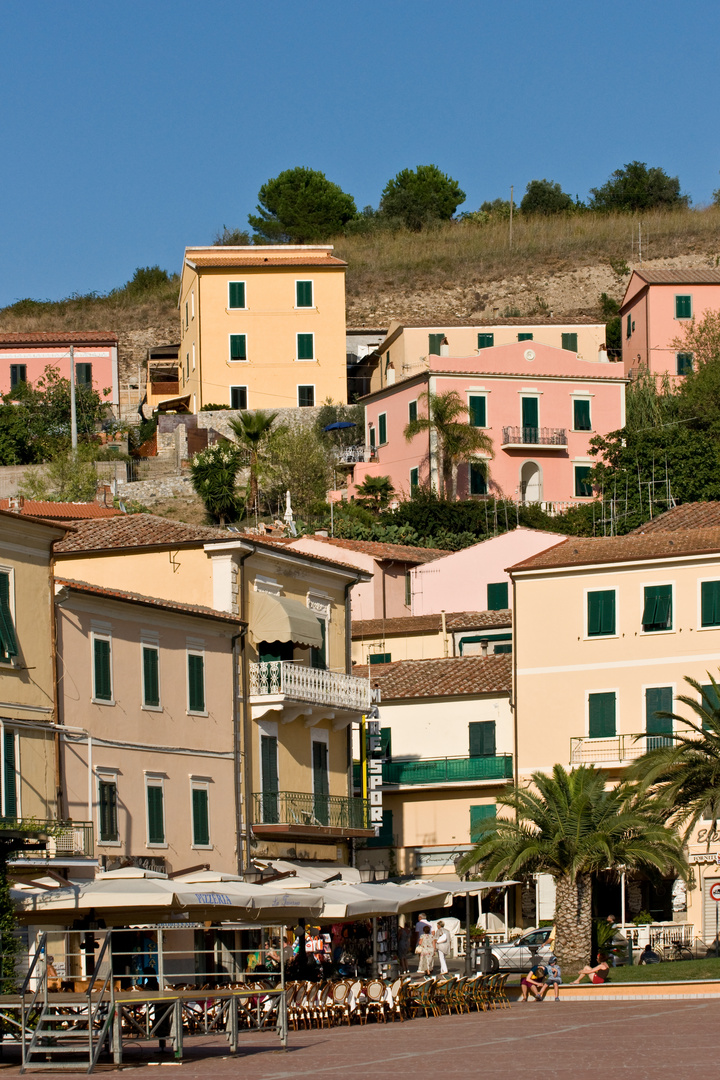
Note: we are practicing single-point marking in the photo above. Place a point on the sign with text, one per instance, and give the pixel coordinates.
(374, 773)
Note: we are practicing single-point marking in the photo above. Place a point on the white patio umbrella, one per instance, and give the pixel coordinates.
(346, 900)
(309, 873)
(274, 906)
(412, 896)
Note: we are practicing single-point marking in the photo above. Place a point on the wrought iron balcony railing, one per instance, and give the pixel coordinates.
(615, 748)
(352, 455)
(305, 809)
(534, 436)
(63, 839)
(450, 770)
(314, 685)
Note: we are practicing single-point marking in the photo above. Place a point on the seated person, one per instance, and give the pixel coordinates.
(597, 974)
(554, 976)
(535, 983)
(649, 956)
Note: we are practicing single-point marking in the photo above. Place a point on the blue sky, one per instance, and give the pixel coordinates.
(132, 129)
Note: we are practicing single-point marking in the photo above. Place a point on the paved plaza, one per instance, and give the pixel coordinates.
(640, 1040)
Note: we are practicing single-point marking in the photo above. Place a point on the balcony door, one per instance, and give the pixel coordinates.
(658, 699)
(530, 419)
(269, 778)
(321, 782)
(531, 482)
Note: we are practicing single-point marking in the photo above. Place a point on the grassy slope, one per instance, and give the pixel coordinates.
(671, 971)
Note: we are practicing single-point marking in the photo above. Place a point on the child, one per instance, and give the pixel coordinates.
(554, 976)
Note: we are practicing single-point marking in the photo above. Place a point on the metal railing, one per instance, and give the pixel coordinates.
(351, 455)
(304, 808)
(64, 839)
(614, 748)
(448, 770)
(314, 685)
(534, 436)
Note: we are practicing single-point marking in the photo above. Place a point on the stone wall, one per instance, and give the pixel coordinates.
(133, 348)
(161, 487)
(291, 417)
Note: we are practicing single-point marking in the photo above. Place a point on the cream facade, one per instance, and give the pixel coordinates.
(424, 637)
(262, 327)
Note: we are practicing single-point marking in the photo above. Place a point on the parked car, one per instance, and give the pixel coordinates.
(523, 953)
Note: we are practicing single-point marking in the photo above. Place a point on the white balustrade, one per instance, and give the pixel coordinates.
(314, 685)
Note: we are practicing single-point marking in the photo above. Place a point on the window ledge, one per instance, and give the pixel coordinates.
(102, 701)
(601, 637)
(656, 633)
(192, 712)
(202, 847)
(110, 843)
(152, 708)
(153, 846)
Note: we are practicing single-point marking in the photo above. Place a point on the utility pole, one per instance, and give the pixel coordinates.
(73, 413)
(511, 210)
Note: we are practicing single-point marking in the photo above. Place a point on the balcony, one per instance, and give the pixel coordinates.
(51, 840)
(449, 770)
(615, 749)
(355, 455)
(283, 681)
(304, 816)
(545, 437)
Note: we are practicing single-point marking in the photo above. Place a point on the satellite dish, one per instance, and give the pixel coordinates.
(529, 354)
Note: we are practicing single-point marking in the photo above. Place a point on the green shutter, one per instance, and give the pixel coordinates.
(657, 610)
(268, 762)
(569, 342)
(321, 779)
(305, 347)
(238, 347)
(303, 294)
(237, 294)
(196, 683)
(201, 824)
(414, 479)
(684, 363)
(477, 407)
(306, 397)
(497, 596)
(583, 486)
(480, 818)
(658, 699)
(412, 411)
(318, 657)
(601, 613)
(601, 715)
(382, 428)
(156, 823)
(379, 658)
(10, 775)
(683, 307)
(710, 701)
(478, 479)
(710, 603)
(103, 677)
(482, 738)
(486, 341)
(108, 810)
(581, 415)
(238, 397)
(408, 589)
(434, 343)
(151, 679)
(525, 337)
(530, 412)
(8, 639)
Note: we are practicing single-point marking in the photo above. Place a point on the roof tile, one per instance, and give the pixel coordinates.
(689, 275)
(62, 510)
(148, 601)
(617, 549)
(702, 515)
(419, 624)
(390, 552)
(134, 531)
(59, 337)
(450, 677)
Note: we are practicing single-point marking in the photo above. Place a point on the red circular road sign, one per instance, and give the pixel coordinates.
(715, 891)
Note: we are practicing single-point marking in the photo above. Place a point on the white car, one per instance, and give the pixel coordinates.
(533, 947)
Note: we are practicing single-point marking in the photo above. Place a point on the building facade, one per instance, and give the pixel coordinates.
(424, 637)
(25, 356)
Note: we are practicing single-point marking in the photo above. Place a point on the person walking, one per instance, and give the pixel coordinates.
(442, 944)
(426, 950)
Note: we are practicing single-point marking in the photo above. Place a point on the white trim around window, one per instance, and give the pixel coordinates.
(10, 571)
(240, 387)
(305, 359)
(200, 784)
(643, 703)
(236, 281)
(673, 613)
(311, 283)
(150, 642)
(101, 635)
(602, 690)
(240, 359)
(700, 583)
(306, 386)
(153, 780)
(601, 637)
(106, 775)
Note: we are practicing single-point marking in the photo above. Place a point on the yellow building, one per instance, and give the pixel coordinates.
(262, 327)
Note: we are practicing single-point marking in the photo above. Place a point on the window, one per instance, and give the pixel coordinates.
(581, 414)
(583, 486)
(683, 307)
(412, 411)
(318, 656)
(486, 341)
(478, 478)
(601, 613)
(657, 608)
(187, 317)
(8, 638)
(569, 342)
(414, 479)
(155, 813)
(306, 397)
(238, 397)
(434, 343)
(321, 781)
(236, 294)
(304, 294)
(373, 440)
(382, 428)
(385, 837)
(658, 699)
(306, 346)
(481, 818)
(525, 337)
(193, 355)
(108, 811)
(18, 374)
(196, 682)
(102, 669)
(200, 816)
(408, 589)
(192, 304)
(379, 658)
(530, 418)
(601, 715)
(710, 701)
(497, 596)
(477, 408)
(10, 775)
(684, 362)
(482, 738)
(238, 346)
(710, 603)
(269, 778)
(151, 676)
(628, 329)
(83, 374)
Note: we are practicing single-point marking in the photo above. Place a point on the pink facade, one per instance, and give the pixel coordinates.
(658, 306)
(539, 405)
(24, 358)
(459, 582)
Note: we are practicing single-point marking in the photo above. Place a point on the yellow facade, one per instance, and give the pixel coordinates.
(262, 327)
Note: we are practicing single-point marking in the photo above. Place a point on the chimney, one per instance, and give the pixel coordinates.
(16, 503)
(484, 645)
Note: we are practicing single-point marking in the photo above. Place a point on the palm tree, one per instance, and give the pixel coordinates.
(684, 774)
(571, 826)
(253, 430)
(457, 441)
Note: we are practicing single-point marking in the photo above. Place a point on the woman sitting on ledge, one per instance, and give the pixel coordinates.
(596, 975)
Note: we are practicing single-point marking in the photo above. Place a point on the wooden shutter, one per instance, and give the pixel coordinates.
(201, 824)
(414, 479)
(497, 596)
(569, 342)
(583, 487)
(710, 603)
(710, 702)
(8, 639)
(156, 823)
(303, 294)
(657, 611)
(237, 294)
(320, 768)
(525, 337)
(683, 307)
(581, 415)
(382, 428)
(372, 436)
(530, 412)
(305, 347)
(9, 775)
(434, 343)
(83, 374)
(238, 347)
(477, 407)
(480, 818)
(486, 341)
(658, 699)
(306, 397)
(151, 679)
(482, 738)
(412, 411)
(318, 656)
(238, 397)
(601, 715)
(684, 363)
(108, 810)
(103, 678)
(408, 589)
(601, 612)
(269, 763)
(380, 658)
(196, 683)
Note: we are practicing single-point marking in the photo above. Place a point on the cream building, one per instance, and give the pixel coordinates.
(423, 637)
(262, 327)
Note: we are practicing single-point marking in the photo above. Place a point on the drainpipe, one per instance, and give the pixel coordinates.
(236, 661)
(59, 785)
(243, 798)
(444, 632)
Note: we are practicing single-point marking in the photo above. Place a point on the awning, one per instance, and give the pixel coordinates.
(278, 618)
(182, 402)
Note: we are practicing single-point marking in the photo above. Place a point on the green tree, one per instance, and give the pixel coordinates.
(545, 197)
(375, 492)
(455, 439)
(213, 472)
(70, 476)
(301, 206)
(702, 339)
(636, 187)
(330, 413)
(35, 419)
(147, 279)
(253, 431)
(300, 464)
(572, 826)
(418, 197)
(228, 237)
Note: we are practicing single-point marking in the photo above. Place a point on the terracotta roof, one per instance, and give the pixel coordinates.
(693, 275)
(62, 510)
(326, 560)
(149, 601)
(60, 337)
(550, 320)
(282, 255)
(389, 552)
(455, 676)
(135, 531)
(419, 624)
(702, 515)
(617, 549)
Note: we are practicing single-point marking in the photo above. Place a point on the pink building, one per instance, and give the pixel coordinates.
(24, 357)
(539, 405)
(657, 307)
